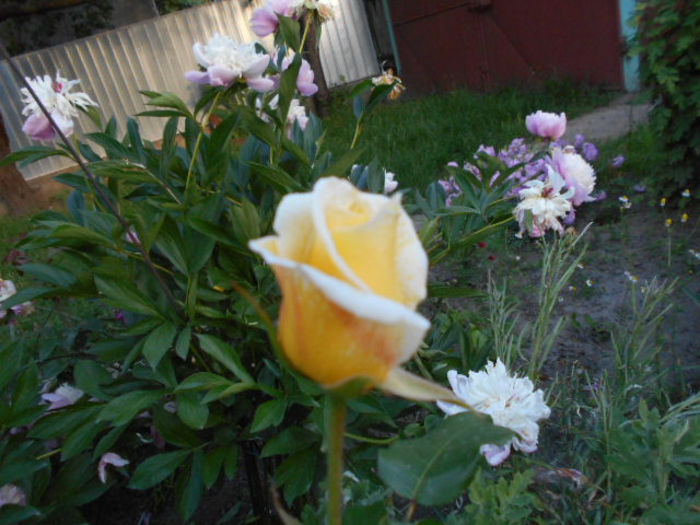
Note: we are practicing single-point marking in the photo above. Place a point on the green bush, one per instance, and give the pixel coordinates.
(669, 44)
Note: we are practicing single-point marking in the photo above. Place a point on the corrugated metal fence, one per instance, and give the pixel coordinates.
(154, 54)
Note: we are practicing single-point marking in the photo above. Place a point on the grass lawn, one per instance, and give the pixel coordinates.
(415, 138)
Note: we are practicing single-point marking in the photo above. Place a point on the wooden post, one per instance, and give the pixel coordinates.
(322, 97)
(17, 195)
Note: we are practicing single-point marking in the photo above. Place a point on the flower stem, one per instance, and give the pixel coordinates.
(309, 21)
(335, 432)
(197, 145)
(356, 136)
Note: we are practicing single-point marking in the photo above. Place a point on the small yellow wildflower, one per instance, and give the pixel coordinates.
(686, 193)
(662, 202)
(669, 223)
(685, 217)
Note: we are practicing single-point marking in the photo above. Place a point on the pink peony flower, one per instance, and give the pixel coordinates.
(265, 20)
(546, 125)
(38, 127)
(109, 458)
(578, 174)
(305, 78)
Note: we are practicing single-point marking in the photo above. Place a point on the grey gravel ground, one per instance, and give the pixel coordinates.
(615, 120)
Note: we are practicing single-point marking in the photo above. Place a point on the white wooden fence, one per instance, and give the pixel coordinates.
(154, 55)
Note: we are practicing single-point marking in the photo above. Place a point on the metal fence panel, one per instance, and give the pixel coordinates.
(154, 54)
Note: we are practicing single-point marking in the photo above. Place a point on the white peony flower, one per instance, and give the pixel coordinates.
(296, 113)
(545, 203)
(227, 61)
(511, 402)
(55, 95)
(58, 101)
(12, 495)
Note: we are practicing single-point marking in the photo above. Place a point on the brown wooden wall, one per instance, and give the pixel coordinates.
(484, 43)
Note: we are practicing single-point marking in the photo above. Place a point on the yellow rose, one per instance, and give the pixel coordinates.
(351, 270)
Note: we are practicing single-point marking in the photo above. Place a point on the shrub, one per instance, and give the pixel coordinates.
(668, 42)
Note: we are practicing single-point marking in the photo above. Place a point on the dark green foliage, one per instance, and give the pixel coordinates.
(668, 42)
(27, 33)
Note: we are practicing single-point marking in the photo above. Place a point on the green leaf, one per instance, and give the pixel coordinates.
(276, 177)
(113, 148)
(108, 441)
(191, 411)
(158, 342)
(225, 354)
(81, 439)
(182, 344)
(269, 414)
(89, 375)
(231, 461)
(16, 514)
(288, 441)
(170, 243)
(156, 468)
(342, 166)
(59, 424)
(31, 154)
(170, 100)
(288, 87)
(204, 381)
(190, 487)
(81, 233)
(218, 233)
(291, 31)
(435, 469)
(211, 468)
(126, 407)
(124, 295)
(297, 473)
(173, 430)
(160, 113)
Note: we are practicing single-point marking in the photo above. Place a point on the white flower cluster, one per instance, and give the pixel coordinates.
(511, 402)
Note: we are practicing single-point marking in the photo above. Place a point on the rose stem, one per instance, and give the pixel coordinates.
(335, 431)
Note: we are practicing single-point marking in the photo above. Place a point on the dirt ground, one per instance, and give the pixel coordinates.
(598, 299)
